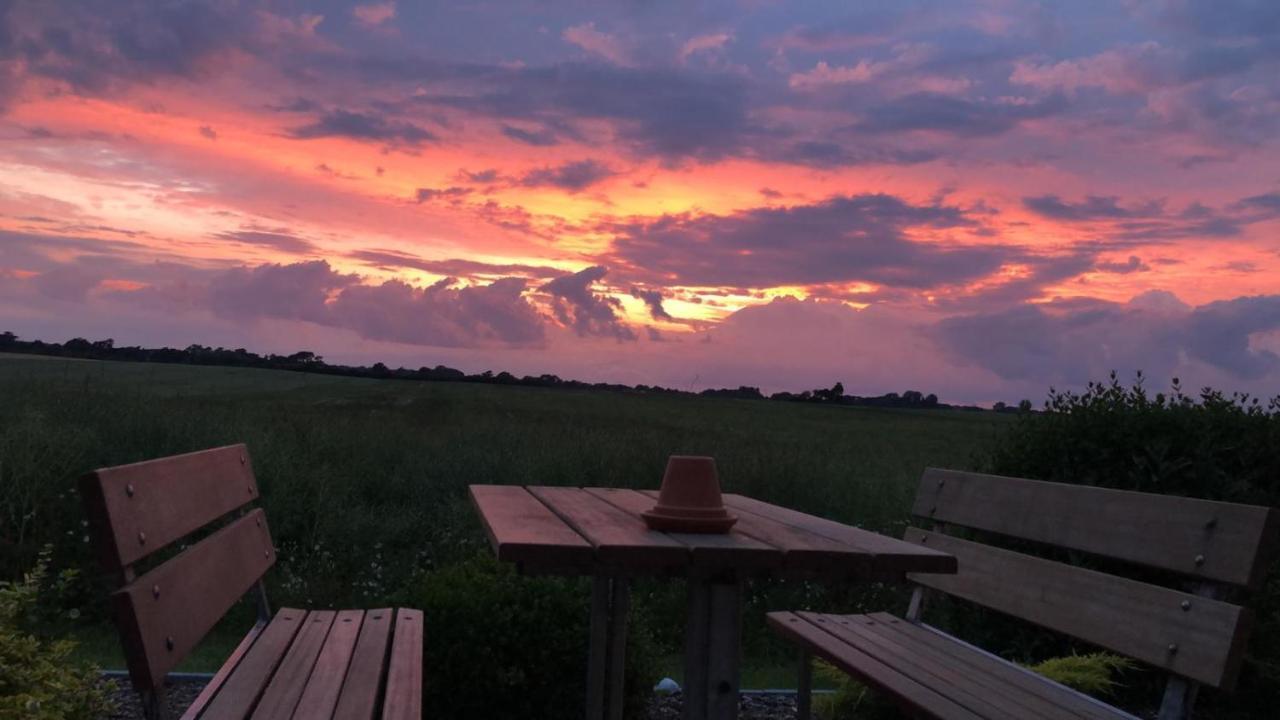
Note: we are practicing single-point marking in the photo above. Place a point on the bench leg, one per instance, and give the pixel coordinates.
(804, 687)
(1179, 698)
(154, 706)
(606, 663)
(713, 650)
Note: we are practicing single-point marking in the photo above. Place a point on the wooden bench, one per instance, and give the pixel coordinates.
(299, 663)
(1193, 633)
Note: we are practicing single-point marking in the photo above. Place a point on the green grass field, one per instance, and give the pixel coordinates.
(364, 481)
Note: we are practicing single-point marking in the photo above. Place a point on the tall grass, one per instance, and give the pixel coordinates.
(364, 481)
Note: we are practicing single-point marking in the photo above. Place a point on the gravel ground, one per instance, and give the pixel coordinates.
(662, 707)
(178, 696)
(751, 707)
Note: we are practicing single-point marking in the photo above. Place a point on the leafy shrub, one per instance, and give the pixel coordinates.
(1092, 673)
(502, 645)
(852, 700)
(1213, 446)
(37, 679)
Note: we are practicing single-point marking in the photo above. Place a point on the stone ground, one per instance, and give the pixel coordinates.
(662, 707)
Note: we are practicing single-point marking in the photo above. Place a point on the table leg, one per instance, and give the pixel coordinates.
(619, 609)
(713, 650)
(606, 662)
(598, 650)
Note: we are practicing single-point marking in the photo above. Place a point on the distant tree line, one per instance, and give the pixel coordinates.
(307, 361)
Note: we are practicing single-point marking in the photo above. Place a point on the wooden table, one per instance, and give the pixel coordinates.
(599, 532)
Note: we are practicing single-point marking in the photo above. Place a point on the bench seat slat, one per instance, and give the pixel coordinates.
(238, 695)
(906, 690)
(965, 678)
(281, 697)
(404, 669)
(321, 694)
(996, 674)
(924, 668)
(359, 697)
(1143, 621)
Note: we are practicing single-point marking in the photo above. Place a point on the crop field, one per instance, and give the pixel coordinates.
(364, 481)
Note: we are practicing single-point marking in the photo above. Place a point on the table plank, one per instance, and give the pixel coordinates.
(522, 529)
(711, 551)
(804, 553)
(888, 556)
(619, 538)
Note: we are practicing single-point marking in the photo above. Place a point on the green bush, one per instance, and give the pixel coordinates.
(502, 645)
(851, 700)
(1212, 446)
(37, 679)
(1091, 673)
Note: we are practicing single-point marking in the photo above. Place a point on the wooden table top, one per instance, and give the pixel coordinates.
(571, 530)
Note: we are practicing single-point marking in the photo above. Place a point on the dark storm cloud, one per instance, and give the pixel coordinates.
(842, 239)
(1078, 342)
(1132, 265)
(829, 154)
(1092, 207)
(278, 240)
(439, 314)
(536, 138)
(364, 126)
(94, 44)
(570, 177)
(955, 115)
(661, 111)
(1218, 333)
(454, 267)
(1153, 220)
(449, 193)
(653, 299)
(587, 313)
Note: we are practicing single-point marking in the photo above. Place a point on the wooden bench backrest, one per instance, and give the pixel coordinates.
(1185, 633)
(136, 510)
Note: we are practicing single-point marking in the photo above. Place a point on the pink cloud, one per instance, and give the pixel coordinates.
(606, 45)
(374, 14)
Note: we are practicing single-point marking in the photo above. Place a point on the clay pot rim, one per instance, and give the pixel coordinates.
(714, 512)
(670, 523)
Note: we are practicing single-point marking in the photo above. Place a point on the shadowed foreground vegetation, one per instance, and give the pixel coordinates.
(364, 482)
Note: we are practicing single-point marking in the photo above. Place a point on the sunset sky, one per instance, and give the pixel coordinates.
(977, 199)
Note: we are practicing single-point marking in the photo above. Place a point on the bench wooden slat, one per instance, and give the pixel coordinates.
(983, 665)
(163, 614)
(888, 557)
(1218, 541)
(138, 509)
(215, 683)
(241, 691)
(404, 670)
(712, 551)
(905, 690)
(320, 697)
(946, 678)
(359, 698)
(523, 530)
(616, 535)
(1137, 619)
(280, 699)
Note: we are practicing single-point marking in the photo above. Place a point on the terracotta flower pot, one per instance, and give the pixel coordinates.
(690, 498)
